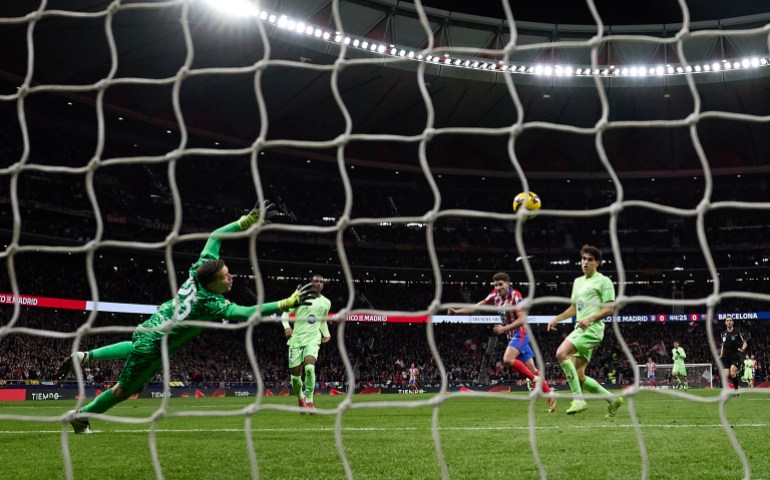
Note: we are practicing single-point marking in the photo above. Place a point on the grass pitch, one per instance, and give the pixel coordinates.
(385, 437)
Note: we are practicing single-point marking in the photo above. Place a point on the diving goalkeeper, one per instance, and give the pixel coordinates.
(198, 298)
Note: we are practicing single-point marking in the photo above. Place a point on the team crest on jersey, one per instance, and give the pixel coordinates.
(311, 319)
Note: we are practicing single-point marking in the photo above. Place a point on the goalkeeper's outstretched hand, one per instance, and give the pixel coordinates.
(252, 217)
(301, 296)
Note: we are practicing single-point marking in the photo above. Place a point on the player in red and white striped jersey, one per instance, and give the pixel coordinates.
(512, 321)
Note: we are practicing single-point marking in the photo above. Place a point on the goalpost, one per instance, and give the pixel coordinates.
(699, 375)
(428, 56)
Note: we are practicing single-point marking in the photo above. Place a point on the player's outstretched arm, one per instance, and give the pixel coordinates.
(568, 313)
(211, 250)
(465, 310)
(301, 296)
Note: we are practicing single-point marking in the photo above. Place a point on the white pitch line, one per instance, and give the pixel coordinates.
(391, 429)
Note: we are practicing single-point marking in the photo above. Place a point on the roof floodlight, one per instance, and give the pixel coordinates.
(548, 70)
(716, 66)
(364, 44)
(539, 70)
(745, 63)
(263, 15)
(736, 64)
(568, 71)
(356, 42)
(327, 35)
(754, 62)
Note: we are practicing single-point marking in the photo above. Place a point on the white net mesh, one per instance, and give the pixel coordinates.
(98, 78)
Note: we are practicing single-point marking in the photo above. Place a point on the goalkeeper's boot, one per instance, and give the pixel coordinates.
(612, 408)
(551, 404)
(310, 407)
(577, 406)
(529, 385)
(68, 366)
(301, 402)
(81, 425)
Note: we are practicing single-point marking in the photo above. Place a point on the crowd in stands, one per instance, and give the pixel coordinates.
(379, 354)
(135, 208)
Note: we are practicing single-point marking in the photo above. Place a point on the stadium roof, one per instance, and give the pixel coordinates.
(385, 98)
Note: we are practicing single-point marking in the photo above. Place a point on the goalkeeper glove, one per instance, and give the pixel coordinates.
(252, 217)
(301, 296)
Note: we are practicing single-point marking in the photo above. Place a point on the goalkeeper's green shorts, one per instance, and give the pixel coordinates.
(679, 371)
(143, 362)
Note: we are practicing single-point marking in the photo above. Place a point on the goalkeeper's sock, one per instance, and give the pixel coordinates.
(296, 385)
(570, 372)
(309, 382)
(116, 351)
(592, 386)
(522, 369)
(102, 403)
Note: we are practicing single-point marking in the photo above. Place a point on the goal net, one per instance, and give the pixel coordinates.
(699, 375)
(131, 130)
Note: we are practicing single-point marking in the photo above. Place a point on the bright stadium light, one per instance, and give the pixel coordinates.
(247, 9)
(236, 8)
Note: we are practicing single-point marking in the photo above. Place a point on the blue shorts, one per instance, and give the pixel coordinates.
(521, 343)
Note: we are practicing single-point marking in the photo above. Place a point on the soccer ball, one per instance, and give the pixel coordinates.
(529, 200)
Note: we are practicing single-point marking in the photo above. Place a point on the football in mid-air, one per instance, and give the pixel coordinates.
(527, 200)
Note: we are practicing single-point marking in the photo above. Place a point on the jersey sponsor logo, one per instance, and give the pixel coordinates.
(311, 319)
(580, 305)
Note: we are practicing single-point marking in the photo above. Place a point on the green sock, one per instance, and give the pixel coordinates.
(102, 403)
(309, 382)
(592, 386)
(296, 385)
(572, 377)
(116, 351)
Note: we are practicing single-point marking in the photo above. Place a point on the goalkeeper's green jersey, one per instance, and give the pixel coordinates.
(310, 322)
(678, 355)
(589, 294)
(194, 302)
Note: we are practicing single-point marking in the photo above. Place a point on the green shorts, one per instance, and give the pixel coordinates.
(586, 341)
(142, 364)
(681, 371)
(297, 354)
